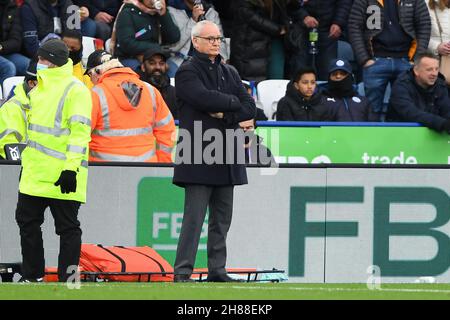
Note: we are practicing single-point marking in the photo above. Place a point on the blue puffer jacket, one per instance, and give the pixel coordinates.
(411, 103)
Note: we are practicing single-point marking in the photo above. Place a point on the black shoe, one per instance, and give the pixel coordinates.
(221, 278)
(30, 280)
(182, 278)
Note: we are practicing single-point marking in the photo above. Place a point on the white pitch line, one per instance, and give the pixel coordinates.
(244, 287)
(262, 288)
(340, 289)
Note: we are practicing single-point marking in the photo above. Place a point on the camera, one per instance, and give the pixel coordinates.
(157, 4)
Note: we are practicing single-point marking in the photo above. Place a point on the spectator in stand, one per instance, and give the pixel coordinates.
(420, 95)
(385, 45)
(342, 97)
(440, 28)
(74, 42)
(154, 69)
(260, 115)
(140, 27)
(12, 63)
(45, 19)
(303, 100)
(101, 15)
(256, 47)
(186, 15)
(224, 9)
(130, 120)
(88, 27)
(329, 18)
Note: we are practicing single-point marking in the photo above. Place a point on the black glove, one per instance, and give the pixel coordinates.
(68, 181)
(446, 126)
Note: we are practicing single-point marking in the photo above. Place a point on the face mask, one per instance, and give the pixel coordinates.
(41, 66)
(75, 56)
(343, 88)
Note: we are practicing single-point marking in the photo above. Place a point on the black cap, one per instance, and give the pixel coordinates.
(153, 51)
(97, 58)
(339, 64)
(55, 51)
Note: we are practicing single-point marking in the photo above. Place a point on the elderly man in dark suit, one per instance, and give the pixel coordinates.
(212, 101)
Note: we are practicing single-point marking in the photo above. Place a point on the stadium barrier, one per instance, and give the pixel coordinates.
(321, 223)
(355, 142)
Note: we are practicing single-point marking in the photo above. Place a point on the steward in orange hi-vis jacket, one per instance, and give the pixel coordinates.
(130, 120)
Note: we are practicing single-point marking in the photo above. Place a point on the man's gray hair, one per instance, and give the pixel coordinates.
(197, 29)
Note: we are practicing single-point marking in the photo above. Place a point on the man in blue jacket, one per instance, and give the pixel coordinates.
(420, 95)
(211, 99)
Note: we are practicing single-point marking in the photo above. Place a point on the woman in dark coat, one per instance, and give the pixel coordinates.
(303, 100)
(256, 24)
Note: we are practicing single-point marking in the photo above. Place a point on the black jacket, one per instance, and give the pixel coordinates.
(11, 29)
(411, 103)
(349, 109)
(204, 87)
(137, 31)
(294, 107)
(37, 21)
(253, 30)
(414, 19)
(327, 12)
(168, 93)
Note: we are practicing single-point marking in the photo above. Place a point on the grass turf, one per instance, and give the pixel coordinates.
(227, 291)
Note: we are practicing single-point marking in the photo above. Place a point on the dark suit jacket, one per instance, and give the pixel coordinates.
(204, 87)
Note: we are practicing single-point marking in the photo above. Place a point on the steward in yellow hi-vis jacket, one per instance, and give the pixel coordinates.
(130, 120)
(54, 163)
(13, 116)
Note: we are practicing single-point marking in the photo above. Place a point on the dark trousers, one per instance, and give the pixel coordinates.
(197, 199)
(303, 58)
(30, 216)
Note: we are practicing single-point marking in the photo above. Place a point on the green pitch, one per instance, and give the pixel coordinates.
(209, 291)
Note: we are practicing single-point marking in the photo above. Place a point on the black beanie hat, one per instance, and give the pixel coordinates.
(55, 51)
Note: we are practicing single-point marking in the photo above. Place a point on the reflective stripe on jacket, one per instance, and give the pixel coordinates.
(58, 134)
(134, 126)
(13, 118)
